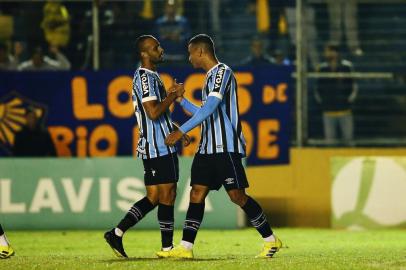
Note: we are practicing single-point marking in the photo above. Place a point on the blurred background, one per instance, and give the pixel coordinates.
(323, 93)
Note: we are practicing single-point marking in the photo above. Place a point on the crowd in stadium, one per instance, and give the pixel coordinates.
(60, 33)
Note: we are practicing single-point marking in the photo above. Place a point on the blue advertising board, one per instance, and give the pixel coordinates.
(90, 114)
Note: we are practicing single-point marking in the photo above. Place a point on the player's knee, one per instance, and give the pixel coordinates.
(168, 196)
(153, 198)
(238, 197)
(197, 195)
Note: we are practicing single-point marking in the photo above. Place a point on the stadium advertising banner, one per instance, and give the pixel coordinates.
(368, 192)
(91, 193)
(90, 114)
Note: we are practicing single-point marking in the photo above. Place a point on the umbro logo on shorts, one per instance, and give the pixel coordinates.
(229, 181)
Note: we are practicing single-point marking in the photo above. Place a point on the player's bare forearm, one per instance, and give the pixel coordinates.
(155, 109)
(186, 138)
(173, 137)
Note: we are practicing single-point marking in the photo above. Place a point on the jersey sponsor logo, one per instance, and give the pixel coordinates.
(144, 84)
(219, 78)
(229, 181)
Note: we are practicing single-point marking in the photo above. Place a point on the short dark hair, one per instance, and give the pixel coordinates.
(139, 41)
(205, 40)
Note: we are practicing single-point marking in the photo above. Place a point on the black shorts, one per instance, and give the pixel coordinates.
(161, 170)
(215, 170)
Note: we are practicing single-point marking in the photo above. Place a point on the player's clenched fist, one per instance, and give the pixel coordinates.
(173, 137)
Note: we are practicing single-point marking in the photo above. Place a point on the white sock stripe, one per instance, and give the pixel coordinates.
(134, 215)
(190, 228)
(165, 222)
(193, 221)
(258, 217)
(166, 225)
(135, 208)
(260, 225)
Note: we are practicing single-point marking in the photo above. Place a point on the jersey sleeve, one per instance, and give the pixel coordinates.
(221, 79)
(146, 84)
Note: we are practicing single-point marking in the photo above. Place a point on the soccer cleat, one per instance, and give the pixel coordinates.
(116, 243)
(163, 253)
(179, 252)
(6, 252)
(270, 248)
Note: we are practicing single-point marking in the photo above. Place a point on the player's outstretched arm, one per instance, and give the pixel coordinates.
(208, 108)
(205, 111)
(189, 106)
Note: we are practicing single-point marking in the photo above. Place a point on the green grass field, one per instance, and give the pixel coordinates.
(306, 249)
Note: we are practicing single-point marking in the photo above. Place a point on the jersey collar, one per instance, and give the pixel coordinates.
(148, 70)
(214, 67)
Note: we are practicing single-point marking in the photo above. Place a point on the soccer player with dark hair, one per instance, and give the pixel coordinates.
(161, 170)
(222, 145)
(5, 249)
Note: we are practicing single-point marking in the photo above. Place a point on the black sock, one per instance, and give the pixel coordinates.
(1, 230)
(194, 217)
(135, 214)
(257, 217)
(166, 220)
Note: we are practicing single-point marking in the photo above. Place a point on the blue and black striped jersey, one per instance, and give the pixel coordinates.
(147, 86)
(221, 132)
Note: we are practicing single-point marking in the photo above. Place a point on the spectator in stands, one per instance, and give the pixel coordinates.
(336, 95)
(55, 23)
(309, 28)
(258, 56)
(33, 140)
(280, 59)
(344, 12)
(173, 31)
(7, 61)
(40, 62)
